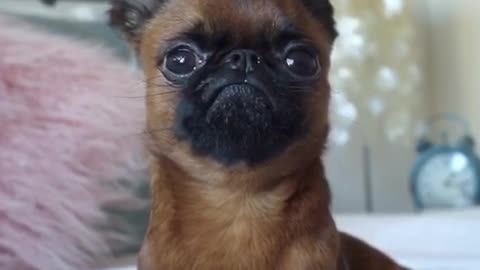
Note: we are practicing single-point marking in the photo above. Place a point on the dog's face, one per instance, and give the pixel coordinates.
(233, 81)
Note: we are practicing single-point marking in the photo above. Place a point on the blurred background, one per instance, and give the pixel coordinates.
(405, 113)
(398, 64)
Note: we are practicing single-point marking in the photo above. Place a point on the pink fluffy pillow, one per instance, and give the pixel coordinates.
(66, 135)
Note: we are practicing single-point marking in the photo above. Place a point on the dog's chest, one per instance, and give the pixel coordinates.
(240, 245)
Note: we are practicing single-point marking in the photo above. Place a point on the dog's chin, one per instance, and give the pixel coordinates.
(241, 123)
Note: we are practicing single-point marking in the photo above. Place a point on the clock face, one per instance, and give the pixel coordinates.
(448, 180)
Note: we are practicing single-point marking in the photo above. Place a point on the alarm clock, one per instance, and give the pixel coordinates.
(446, 174)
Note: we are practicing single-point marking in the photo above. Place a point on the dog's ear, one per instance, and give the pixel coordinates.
(323, 11)
(130, 16)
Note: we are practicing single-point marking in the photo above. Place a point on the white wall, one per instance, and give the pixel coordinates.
(453, 32)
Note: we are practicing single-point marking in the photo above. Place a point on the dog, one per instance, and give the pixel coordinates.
(237, 120)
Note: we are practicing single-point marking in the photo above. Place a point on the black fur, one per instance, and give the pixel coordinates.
(323, 11)
(240, 128)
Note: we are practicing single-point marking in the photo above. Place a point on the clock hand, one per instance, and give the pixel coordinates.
(449, 179)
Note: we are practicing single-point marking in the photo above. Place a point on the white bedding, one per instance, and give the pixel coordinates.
(433, 241)
(430, 241)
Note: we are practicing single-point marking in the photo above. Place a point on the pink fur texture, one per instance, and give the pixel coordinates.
(67, 132)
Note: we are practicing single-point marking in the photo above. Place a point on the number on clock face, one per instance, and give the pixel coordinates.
(447, 180)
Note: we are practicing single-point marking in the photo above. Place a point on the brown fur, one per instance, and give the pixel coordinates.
(206, 216)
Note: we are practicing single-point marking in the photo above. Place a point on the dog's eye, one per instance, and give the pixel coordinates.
(181, 61)
(302, 62)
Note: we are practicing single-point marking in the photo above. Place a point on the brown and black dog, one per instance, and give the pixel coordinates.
(237, 117)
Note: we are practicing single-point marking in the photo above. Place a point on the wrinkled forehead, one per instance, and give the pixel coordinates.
(242, 18)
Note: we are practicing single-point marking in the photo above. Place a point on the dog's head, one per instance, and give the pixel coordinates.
(233, 83)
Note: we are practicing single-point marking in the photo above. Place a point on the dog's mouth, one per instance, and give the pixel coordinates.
(233, 122)
(236, 100)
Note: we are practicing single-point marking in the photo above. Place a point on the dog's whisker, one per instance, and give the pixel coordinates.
(148, 95)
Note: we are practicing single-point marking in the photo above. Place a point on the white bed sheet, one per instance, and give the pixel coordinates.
(429, 241)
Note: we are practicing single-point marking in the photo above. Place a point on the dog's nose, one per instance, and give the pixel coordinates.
(242, 60)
